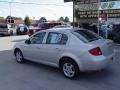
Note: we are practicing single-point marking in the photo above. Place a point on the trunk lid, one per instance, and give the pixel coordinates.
(105, 45)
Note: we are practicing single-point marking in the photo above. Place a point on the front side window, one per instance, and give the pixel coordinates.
(38, 38)
(56, 38)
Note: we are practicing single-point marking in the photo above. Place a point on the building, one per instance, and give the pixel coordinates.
(92, 11)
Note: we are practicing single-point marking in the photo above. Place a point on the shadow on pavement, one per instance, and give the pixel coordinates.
(96, 75)
(35, 74)
(6, 57)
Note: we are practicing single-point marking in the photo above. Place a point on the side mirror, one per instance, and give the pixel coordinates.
(27, 41)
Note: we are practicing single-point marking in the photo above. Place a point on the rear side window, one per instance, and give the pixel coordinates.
(56, 38)
(86, 36)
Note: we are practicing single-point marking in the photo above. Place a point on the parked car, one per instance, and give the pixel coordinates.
(5, 30)
(21, 30)
(70, 49)
(115, 34)
(42, 26)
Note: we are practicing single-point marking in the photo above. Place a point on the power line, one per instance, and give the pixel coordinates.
(34, 3)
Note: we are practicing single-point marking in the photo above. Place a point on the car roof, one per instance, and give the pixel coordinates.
(66, 29)
(62, 30)
(62, 26)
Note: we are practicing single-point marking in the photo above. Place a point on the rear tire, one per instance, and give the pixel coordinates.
(69, 68)
(19, 56)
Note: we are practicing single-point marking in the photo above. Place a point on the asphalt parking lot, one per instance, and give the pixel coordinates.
(33, 76)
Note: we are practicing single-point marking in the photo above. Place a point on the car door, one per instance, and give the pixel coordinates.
(32, 50)
(55, 45)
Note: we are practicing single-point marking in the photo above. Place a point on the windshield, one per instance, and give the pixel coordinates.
(86, 35)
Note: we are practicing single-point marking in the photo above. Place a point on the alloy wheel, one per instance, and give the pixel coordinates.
(69, 70)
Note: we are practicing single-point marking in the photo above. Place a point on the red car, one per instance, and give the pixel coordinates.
(42, 26)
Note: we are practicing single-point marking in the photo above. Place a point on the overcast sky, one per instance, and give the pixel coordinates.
(51, 12)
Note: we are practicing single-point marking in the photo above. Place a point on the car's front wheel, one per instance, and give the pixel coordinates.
(70, 69)
(19, 56)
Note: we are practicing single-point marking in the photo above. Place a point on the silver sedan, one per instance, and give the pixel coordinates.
(70, 49)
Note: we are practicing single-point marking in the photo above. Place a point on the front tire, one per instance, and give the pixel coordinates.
(70, 69)
(19, 56)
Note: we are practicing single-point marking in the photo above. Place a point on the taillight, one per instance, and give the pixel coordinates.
(95, 51)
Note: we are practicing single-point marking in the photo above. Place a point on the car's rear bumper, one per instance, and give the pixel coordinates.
(94, 64)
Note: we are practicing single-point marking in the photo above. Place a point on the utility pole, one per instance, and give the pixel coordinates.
(10, 5)
(98, 17)
(73, 13)
(10, 14)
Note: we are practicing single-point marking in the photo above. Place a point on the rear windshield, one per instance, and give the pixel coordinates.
(86, 35)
